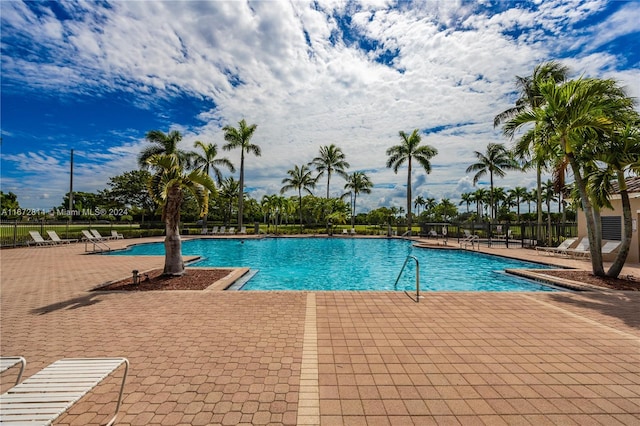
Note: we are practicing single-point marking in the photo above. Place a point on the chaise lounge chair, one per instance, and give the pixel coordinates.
(560, 249)
(56, 239)
(6, 362)
(39, 241)
(98, 236)
(43, 397)
(116, 236)
(581, 250)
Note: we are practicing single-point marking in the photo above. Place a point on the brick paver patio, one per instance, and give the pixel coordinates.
(201, 358)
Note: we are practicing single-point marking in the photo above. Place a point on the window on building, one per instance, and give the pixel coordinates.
(612, 228)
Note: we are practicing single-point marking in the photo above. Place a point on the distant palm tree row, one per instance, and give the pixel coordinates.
(587, 127)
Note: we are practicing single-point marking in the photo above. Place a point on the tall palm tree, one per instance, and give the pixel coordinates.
(409, 150)
(300, 178)
(549, 195)
(241, 138)
(496, 161)
(207, 160)
(167, 187)
(520, 194)
(530, 97)
(466, 198)
(357, 182)
(417, 203)
(330, 160)
(621, 153)
(573, 112)
(163, 144)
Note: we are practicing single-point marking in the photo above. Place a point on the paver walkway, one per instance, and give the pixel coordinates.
(200, 358)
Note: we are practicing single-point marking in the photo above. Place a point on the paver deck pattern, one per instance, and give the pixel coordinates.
(200, 358)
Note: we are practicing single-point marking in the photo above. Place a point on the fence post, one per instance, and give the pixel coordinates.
(15, 232)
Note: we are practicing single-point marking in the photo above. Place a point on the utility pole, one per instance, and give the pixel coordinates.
(71, 189)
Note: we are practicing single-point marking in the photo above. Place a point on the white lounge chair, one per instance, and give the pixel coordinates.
(98, 236)
(231, 231)
(98, 243)
(6, 362)
(560, 249)
(581, 250)
(243, 230)
(38, 240)
(222, 230)
(56, 239)
(116, 236)
(43, 397)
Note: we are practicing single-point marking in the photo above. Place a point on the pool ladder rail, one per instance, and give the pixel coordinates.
(395, 285)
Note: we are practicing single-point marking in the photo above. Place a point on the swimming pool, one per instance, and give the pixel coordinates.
(356, 264)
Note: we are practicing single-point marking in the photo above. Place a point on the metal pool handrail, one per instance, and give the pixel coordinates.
(395, 285)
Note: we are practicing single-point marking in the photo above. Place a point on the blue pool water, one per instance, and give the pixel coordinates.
(352, 264)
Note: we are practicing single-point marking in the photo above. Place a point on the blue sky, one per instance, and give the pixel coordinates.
(96, 76)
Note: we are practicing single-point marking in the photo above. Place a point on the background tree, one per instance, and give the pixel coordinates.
(8, 203)
(409, 150)
(167, 187)
(495, 162)
(130, 190)
(228, 194)
(519, 193)
(300, 178)
(330, 160)
(417, 203)
(357, 182)
(466, 198)
(241, 138)
(207, 160)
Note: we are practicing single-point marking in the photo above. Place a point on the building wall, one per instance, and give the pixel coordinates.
(634, 249)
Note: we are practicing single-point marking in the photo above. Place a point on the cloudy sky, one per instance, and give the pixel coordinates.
(96, 76)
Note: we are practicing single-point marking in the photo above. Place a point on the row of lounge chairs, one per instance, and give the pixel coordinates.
(569, 248)
(92, 235)
(222, 230)
(43, 397)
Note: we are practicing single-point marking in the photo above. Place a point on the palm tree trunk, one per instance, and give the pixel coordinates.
(621, 257)
(241, 192)
(173, 263)
(595, 240)
(300, 207)
(409, 196)
(539, 201)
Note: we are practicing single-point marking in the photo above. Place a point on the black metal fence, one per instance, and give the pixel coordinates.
(522, 234)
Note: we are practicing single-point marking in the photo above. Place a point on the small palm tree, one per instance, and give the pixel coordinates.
(466, 198)
(495, 161)
(300, 178)
(409, 150)
(357, 182)
(167, 187)
(331, 160)
(241, 138)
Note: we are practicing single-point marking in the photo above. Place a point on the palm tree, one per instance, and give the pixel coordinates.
(299, 178)
(466, 198)
(409, 150)
(573, 113)
(621, 153)
(163, 144)
(549, 195)
(495, 161)
(520, 194)
(229, 190)
(167, 187)
(207, 161)
(241, 138)
(530, 97)
(417, 203)
(357, 182)
(331, 160)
